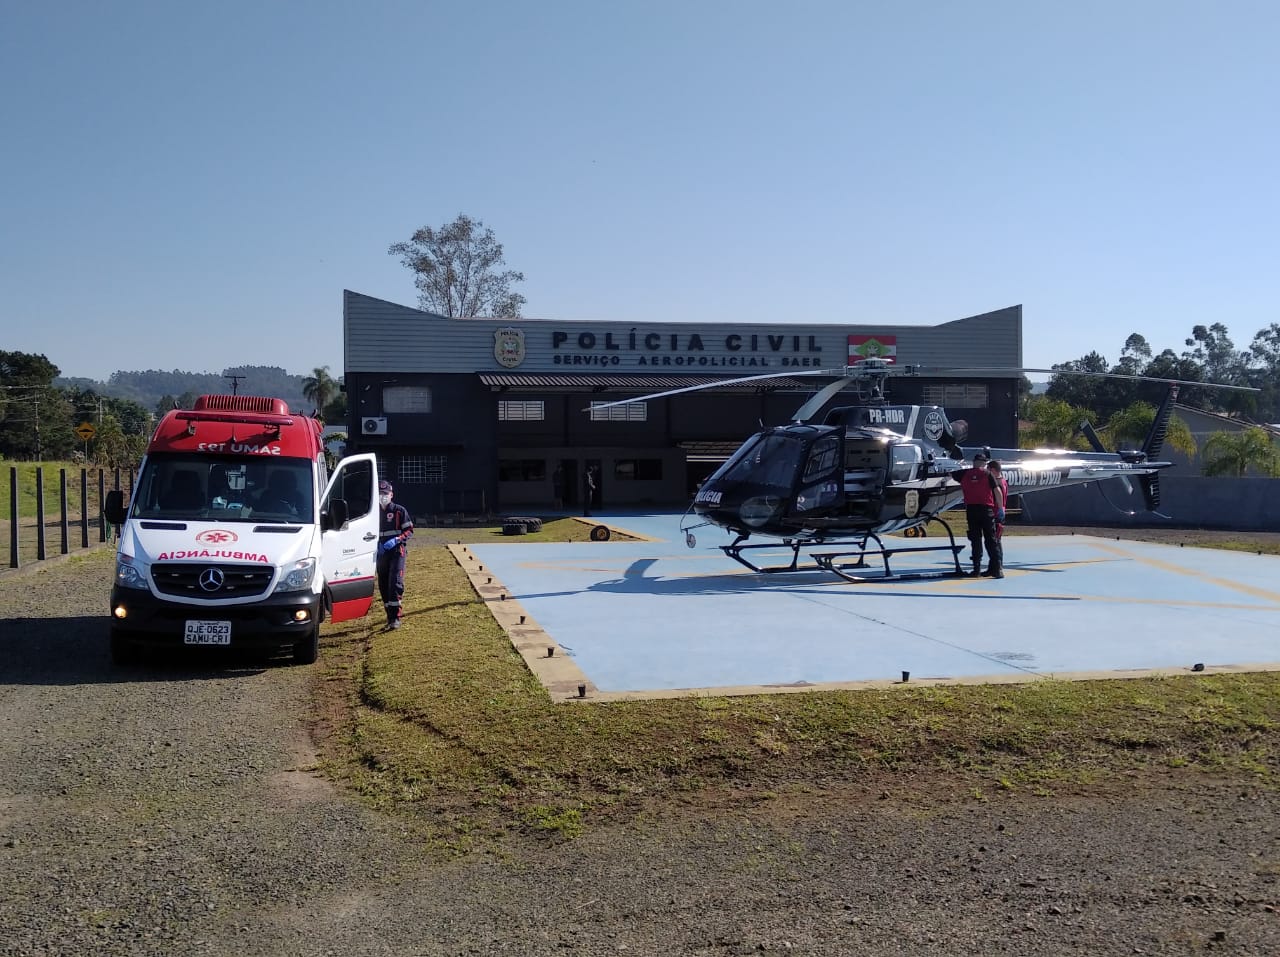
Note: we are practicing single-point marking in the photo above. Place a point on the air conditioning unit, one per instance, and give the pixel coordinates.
(373, 426)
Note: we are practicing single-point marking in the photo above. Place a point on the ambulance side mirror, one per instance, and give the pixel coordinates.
(113, 509)
(335, 516)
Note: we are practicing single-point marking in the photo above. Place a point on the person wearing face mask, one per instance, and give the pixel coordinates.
(395, 528)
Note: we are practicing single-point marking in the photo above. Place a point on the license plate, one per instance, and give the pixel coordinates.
(207, 633)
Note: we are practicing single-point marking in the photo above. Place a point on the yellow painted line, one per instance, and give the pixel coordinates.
(1192, 573)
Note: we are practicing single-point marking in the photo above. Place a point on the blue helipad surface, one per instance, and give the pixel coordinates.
(657, 617)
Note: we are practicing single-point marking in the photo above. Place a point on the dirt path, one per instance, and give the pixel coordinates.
(171, 809)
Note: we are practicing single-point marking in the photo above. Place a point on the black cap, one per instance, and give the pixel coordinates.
(980, 455)
(384, 486)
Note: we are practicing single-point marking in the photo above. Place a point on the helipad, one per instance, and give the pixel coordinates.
(633, 619)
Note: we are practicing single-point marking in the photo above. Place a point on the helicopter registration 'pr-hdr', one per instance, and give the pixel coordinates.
(877, 468)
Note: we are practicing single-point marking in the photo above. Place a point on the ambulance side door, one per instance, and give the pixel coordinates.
(349, 550)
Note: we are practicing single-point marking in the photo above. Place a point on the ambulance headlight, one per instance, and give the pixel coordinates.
(297, 577)
(129, 575)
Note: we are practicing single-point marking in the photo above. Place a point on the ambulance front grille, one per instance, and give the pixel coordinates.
(210, 581)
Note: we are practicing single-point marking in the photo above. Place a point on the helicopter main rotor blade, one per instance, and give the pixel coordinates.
(719, 385)
(1190, 383)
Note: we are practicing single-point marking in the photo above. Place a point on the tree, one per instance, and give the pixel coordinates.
(454, 270)
(319, 388)
(1234, 453)
(1213, 351)
(1130, 426)
(1054, 423)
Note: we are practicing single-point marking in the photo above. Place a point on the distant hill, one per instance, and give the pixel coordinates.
(149, 387)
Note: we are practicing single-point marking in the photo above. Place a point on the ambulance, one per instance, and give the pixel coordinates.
(237, 536)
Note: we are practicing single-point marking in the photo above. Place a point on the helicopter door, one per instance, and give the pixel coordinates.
(820, 480)
(865, 461)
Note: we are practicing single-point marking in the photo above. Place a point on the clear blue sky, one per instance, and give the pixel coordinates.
(192, 186)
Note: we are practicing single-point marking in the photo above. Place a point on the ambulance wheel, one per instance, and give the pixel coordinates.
(123, 650)
(307, 650)
(514, 528)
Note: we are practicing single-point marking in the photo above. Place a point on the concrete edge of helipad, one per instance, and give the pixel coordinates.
(566, 682)
(543, 656)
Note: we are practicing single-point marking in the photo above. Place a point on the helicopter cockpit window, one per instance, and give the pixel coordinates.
(904, 462)
(822, 458)
(771, 461)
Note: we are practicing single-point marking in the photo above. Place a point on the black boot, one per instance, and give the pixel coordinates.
(977, 568)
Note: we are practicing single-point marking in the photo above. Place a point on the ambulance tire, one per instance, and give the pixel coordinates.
(514, 528)
(307, 650)
(123, 650)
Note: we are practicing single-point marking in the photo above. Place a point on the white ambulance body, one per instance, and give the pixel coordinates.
(237, 536)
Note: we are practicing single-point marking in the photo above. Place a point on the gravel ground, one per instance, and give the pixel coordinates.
(170, 809)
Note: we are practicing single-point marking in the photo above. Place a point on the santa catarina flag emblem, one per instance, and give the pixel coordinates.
(873, 347)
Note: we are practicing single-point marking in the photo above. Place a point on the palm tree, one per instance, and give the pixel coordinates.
(1054, 423)
(1132, 424)
(1232, 453)
(319, 388)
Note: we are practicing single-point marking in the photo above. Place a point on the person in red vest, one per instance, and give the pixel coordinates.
(983, 509)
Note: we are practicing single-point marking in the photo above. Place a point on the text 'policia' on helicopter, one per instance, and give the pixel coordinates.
(874, 469)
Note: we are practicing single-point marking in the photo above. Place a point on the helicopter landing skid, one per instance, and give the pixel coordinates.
(832, 561)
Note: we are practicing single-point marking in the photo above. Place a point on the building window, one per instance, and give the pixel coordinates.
(956, 395)
(638, 470)
(634, 412)
(424, 469)
(521, 410)
(522, 470)
(412, 399)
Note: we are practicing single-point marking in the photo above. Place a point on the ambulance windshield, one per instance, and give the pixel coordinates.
(183, 486)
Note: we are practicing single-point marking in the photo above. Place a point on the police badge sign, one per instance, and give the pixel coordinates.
(911, 503)
(508, 347)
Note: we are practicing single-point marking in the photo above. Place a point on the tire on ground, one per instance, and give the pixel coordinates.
(530, 523)
(306, 651)
(513, 528)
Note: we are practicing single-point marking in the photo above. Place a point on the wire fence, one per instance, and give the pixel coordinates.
(48, 513)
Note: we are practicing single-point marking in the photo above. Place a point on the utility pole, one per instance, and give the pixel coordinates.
(235, 381)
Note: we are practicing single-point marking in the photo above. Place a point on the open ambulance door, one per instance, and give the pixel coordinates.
(349, 536)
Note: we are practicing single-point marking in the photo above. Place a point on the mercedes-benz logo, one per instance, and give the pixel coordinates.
(211, 579)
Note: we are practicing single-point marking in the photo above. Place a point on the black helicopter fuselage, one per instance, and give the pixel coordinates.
(877, 469)
(835, 480)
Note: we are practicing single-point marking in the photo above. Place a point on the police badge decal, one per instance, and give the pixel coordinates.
(508, 347)
(911, 503)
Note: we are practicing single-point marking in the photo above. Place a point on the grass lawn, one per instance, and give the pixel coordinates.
(441, 719)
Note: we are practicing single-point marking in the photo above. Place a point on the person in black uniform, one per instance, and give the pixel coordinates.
(395, 528)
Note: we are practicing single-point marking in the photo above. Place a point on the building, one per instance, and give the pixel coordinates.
(487, 415)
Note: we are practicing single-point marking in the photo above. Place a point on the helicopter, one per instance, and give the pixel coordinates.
(877, 468)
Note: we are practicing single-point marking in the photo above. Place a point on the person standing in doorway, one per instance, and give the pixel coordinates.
(395, 528)
(588, 489)
(983, 502)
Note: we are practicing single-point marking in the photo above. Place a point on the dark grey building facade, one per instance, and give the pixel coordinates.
(487, 415)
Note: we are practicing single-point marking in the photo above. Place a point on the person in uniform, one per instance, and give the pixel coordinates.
(395, 528)
(983, 508)
(996, 470)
